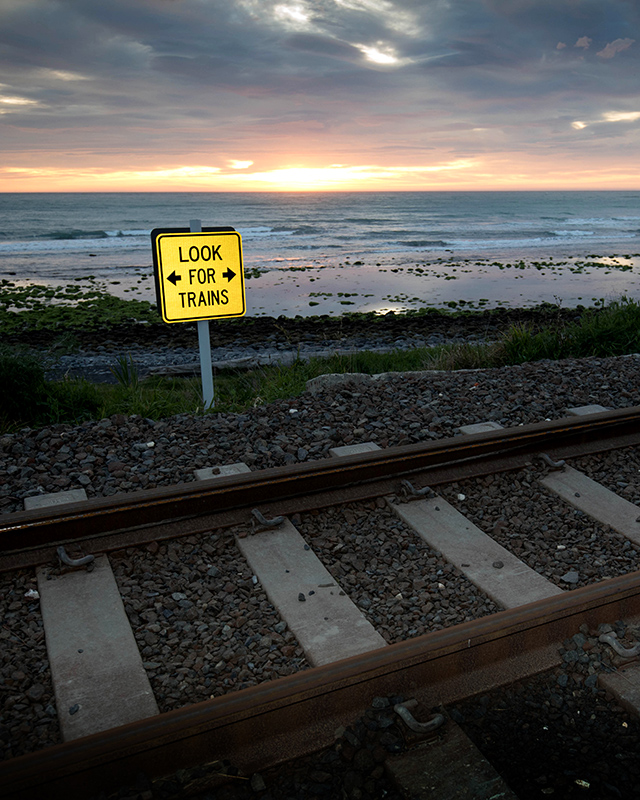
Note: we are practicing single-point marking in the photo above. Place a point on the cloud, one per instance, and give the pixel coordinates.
(137, 84)
(621, 116)
(323, 45)
(380, 54)
(608, 116)
(615, 47)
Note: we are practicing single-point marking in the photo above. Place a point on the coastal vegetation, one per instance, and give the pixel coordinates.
(38, 307)
(29, 399)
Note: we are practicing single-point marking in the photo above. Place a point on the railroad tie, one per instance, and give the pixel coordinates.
(506, 579)
(594, 499)
(591, 497)
(98, 677)
(54, 499)
(326, 623)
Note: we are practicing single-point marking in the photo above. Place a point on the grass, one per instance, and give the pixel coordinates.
(37, 307)
(28, 399)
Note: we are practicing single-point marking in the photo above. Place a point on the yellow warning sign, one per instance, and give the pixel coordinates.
(199, 276)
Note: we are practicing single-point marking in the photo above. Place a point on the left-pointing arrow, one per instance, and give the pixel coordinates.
(174, 278)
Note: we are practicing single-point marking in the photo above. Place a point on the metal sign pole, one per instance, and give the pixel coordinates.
(204, 342)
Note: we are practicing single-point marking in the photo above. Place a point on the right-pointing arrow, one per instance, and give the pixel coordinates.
(228, 274)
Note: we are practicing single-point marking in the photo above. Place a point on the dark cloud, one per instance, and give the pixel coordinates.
(323, 45)
(86, 67)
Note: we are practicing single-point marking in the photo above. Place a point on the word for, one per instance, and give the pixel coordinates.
(203, 275)
(209, 298)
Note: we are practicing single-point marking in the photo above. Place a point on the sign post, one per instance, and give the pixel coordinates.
(204, 344)
(199, 276)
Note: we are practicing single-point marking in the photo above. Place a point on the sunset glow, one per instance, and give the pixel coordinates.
(297, 95)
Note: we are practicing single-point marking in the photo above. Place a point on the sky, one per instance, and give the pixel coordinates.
(246, 95)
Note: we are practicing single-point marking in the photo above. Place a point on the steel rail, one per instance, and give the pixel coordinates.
(274, 722)
(193, 507)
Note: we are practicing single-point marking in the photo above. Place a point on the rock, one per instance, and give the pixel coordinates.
(35, 692)
(257, 782)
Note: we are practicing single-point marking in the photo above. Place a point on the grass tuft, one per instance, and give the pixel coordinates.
(29, 399)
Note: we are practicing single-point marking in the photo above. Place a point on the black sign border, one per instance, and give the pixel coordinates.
(155, 233)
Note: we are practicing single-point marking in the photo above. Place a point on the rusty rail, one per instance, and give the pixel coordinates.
(267, 724)
(190, 508)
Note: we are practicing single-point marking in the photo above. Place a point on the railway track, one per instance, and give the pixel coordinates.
(440, 494)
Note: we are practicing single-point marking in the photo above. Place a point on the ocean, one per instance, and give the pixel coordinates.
(334, 252)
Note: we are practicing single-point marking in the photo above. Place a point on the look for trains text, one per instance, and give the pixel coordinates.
(202, 276)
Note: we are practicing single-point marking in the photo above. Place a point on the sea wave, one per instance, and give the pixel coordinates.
(72, 245)
(300, 230)
(71, 234)
(425, 243)
(74, 234)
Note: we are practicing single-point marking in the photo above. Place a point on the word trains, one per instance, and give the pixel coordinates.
(209, 298)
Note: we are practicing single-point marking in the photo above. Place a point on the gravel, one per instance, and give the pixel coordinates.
(203, 626)
(101, 365)
(28, 718)
(123, 454)
(560, 542)
(403, 587)
(199, 595)
(560, 734)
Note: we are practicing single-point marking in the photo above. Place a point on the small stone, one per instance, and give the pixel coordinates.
(35, 692)
(74, 709)
(301, 597)
(570, 577)
(363, 760)
(257, 782)
(498, 564)
(604, 627)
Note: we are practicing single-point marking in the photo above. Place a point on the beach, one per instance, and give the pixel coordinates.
(329, 253)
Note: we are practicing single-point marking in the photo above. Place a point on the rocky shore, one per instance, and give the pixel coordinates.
(255, 341)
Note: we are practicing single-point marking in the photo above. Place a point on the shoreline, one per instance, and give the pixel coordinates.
(315, 285)
(450, 324)
(246, 344)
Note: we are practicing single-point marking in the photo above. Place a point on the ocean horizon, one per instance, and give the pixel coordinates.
(333, 252)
